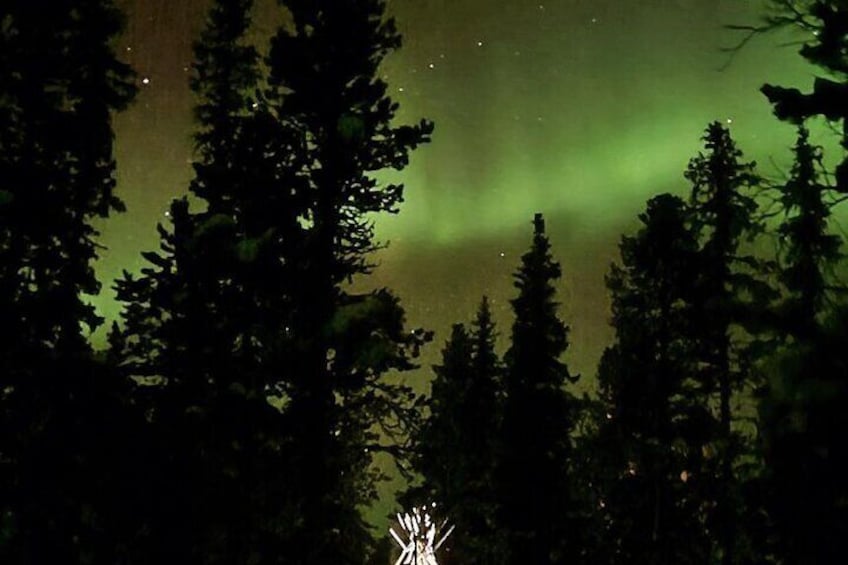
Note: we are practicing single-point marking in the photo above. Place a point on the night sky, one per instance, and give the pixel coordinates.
(580, 109)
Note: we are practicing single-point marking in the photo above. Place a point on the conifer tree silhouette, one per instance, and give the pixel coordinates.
(532, 475)
(801, 410)
(809, 252)
(205, 321)
(648, 460)
(728, 287)
(803, 384)
(60, 82)
(326, 89)
(455, 449)
(248, 300)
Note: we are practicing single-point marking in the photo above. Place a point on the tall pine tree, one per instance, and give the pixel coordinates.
(808, 251)
(728, 293)
(800, 409)
(536, 503)
(647, 453)
(327, 90)
(798, 406)
(60, 83)
(455, 454)
(248, 299)
(207, 319)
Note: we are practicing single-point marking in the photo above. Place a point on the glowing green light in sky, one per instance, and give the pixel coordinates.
(580, 110)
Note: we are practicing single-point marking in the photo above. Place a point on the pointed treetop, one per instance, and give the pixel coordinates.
(483, 320)
(538, 224)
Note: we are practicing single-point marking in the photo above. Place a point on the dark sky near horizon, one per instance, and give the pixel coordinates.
(580, 109)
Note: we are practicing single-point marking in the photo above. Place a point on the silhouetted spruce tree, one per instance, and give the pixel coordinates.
(455, 451)
(536, 506)
(60, 82)
(206, 320)
(259, 276)
(441, 472)
(808, 251)
(729, 295)
(805, 389)
(327, 91)
(483, 407)
(797, 393)
(648, 461)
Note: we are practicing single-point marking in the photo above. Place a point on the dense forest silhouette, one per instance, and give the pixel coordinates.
(235, 416)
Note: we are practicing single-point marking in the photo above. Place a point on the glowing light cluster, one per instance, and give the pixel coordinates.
(420, 531)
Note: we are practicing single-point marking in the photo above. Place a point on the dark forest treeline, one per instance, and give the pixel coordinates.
(718, 432)
(234, 417)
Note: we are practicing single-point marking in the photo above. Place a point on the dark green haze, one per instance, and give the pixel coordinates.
(580, 109)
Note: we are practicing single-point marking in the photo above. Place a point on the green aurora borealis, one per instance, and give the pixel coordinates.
(580, 109)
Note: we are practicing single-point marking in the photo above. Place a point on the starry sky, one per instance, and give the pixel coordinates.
(579, 109)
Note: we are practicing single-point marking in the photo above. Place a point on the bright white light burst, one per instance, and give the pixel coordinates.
(419, 543)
